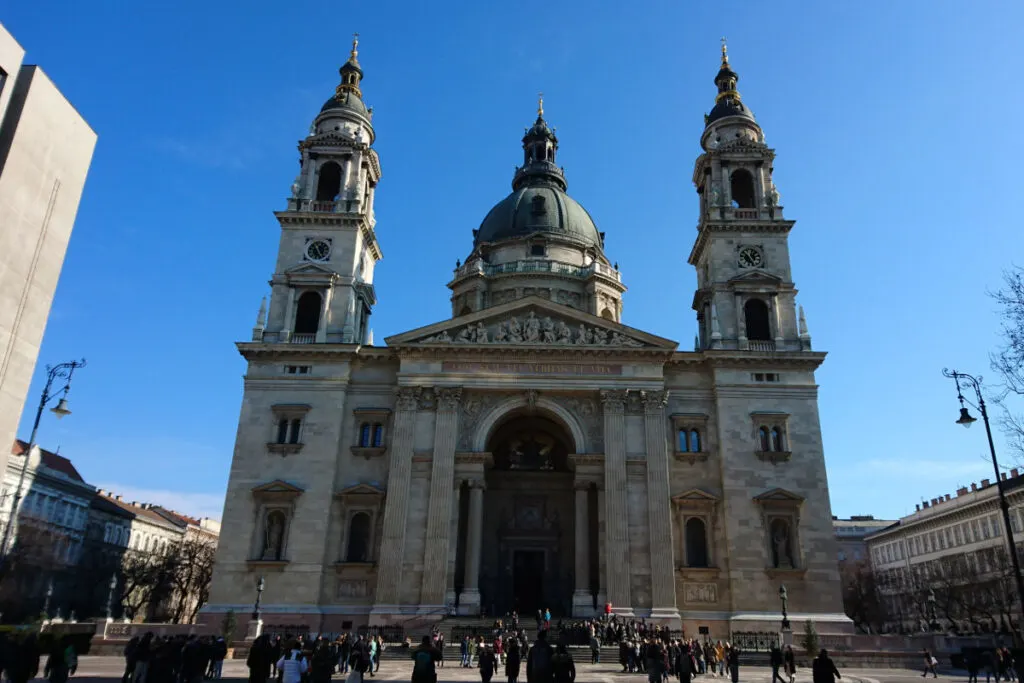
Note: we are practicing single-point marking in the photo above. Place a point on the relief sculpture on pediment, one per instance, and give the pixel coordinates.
(532, 329)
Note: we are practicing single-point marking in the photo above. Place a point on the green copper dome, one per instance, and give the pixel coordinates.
(539, 209)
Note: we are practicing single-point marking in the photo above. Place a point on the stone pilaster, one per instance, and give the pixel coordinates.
(616, 508)
(663, 584)
(469, 601)
(582, 601)
(453, 543)
(392, 546)
(439, 514)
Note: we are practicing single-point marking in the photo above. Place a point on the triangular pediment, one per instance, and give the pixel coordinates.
(309, 268)
(278, 486)
(695, 496)
(755, 276)
(531, 321)
(361, 490)
(778, 495)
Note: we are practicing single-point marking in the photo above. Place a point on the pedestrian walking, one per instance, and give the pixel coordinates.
(512, 661)
(823, 669)
(929, 665)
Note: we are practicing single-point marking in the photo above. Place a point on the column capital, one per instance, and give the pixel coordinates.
(448, 398)
(583, 484)
(408, 398)
(654, 401)
(477, 484)
(614, 401)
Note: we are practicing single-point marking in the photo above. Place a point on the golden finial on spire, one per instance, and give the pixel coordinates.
(540, 104)
(725, 53)
(355, 45)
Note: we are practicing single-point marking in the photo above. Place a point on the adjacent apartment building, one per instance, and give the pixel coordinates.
(45, 151)
(946, 567)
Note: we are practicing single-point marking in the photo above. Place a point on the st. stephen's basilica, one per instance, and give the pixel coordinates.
(532, 451)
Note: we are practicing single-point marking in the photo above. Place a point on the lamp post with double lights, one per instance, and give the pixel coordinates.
(966, 419)
(54, 373)
(260, 587)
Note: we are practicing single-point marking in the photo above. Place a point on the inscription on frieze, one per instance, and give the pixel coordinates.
(513, 368)
(700, 593)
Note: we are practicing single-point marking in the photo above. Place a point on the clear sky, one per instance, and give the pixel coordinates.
(896, 126)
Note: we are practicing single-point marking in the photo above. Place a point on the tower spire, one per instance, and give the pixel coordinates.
(540, 105)
(727, 101)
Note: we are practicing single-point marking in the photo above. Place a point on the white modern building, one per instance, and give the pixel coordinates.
(45, 151)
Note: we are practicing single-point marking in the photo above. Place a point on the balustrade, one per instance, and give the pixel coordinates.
(303, 338)
(759, 345)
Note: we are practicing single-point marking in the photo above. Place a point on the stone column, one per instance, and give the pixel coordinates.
(582, 601)
(289, 317)
(663, 581)
(776, 320)
(392, 546)
(741, 323)
(325, 309)
(453, 543)
(469, 601)
(616, 510)
(439, 513)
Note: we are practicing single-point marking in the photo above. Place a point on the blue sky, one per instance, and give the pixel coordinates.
(898, 149)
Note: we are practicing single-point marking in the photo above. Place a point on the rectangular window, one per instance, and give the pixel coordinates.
(765, 377)
(537, 250)
(984, 528)
(959, 535)
(297, 369)
(997, 528)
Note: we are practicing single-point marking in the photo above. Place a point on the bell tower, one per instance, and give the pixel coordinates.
(745, 297)
(322, 288)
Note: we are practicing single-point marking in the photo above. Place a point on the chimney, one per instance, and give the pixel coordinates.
(1002, 475)
(924, 504)
(100, 492)
(1014, 473)
(917, 507)
(134, 504)
(117, 498)
(974, 487)
(985, 483)
(961, 491)
(948, 496)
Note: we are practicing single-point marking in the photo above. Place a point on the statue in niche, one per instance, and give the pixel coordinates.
(782, 551)
(532, 326)
(716, 194)
(273, 540)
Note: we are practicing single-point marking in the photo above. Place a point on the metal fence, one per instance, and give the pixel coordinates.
(389, 634)
(755, 641)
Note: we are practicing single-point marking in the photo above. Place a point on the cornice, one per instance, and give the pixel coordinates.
(267, 351)
(707, 228)
(356, 221)
(516, 353)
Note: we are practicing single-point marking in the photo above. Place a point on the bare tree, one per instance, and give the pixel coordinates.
(861, 597)
(190, 565)
(1008, 360)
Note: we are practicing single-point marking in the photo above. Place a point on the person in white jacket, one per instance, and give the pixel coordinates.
(292, 665)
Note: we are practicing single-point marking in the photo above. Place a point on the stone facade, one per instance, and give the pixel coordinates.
(530, 451)
(45, 152)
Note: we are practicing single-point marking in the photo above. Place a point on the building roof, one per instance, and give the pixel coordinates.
(57, 463)
(144, 511)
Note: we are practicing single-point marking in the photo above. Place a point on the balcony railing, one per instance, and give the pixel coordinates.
(303, 338)
(759, 345)
(538, 266)
(744, 213)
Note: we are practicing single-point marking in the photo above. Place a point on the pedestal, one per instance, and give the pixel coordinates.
(583, 604)
(254, 629)
(787, 637)
(469, 603)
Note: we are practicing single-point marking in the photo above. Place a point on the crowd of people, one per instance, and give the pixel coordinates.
(298, 660)
(174, 659)
(20, 659)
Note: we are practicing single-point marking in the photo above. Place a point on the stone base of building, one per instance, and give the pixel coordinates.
(469, 603)
(583, 605)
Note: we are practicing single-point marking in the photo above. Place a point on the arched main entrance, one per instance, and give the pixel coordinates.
(528, 537)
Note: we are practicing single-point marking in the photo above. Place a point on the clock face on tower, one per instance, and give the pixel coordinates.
(318, 250)
(750, 258)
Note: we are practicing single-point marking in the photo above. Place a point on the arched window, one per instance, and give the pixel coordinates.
(684, 441)
(282, 431)
(755, 312)
(293, 437)
(273, 536)
(695, 445)
(776, 437)
(364, 435)
(358, 538)
(696, 543)
(764, 439)
(307, 315)
(781, 543)
(378, 435)
(329, 184)
(742, 185)
(607, 314)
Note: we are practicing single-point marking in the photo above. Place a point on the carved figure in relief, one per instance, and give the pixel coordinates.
(500, 335)
(481, 334)
(532, 326)
(549, 331)
(600, 336)
(515, 330)
(584, 336)
(564, 333)
(465, 335)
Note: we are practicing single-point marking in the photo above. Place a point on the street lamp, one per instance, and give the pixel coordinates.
(966, 419)
(49, 596)
(932, 625)
(62, 371)
(784, 597)
(110, 597)
(260, 585)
